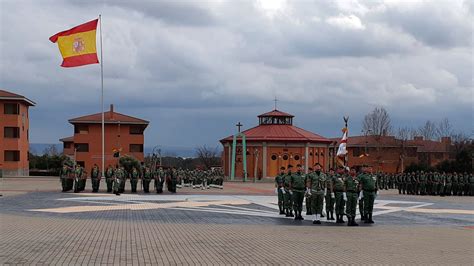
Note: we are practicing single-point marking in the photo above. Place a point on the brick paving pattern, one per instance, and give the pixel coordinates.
(160, 237)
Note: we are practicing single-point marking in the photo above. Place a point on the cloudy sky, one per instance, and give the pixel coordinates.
(195, 68)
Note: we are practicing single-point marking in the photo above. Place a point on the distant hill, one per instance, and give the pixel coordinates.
(172, 151)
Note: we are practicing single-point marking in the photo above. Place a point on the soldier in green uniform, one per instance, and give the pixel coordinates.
(471, 184)
(368, 185)
(454, 184)
(466, 184)
(77, 179)
(399, 183)
(442, 184)
(330, 197)
(109, 178)
(95, 178)
(361, 202)
(173, 180)
(316, 187)
(82, 181)
(146, 179)
(351, 186)
(134, 175)
(119, 178)
(288, 197)
(159, 177)
(308, 195)
(64, 176)
(280, 189)
(338, 186)
(448, 186)
(435, 183)
(297, 188)
(422, 183)
(123, 178)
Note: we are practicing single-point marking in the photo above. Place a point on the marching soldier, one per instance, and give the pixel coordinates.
(368, 185)
(399, 183)
(454, 184)
(338, 186)
(466, 184)
(288, 197)
(280, 189)
(95, 178)
(435, 184)
(297, 188)
(316, 187)
(330, 197)
(351, 186)
(134, 179)
(146, 179)
(123, 178)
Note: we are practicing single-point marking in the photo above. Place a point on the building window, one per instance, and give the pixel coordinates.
(438, 156)
(81, 163)
(81, 129)
(11, 109)
(136, 147)
(411, 152)
(11, 132)
(12, 156)
(67, 145)
(297, 157)
(274, 157)
(285, 157)
(82, 147)
(136, 130)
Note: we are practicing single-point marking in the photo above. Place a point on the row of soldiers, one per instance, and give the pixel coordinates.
(115, 178)
(341, 191)
(435, 183)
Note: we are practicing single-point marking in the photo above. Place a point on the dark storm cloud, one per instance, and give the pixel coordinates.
(194, 69)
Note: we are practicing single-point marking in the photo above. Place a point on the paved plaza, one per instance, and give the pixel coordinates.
(236, 225)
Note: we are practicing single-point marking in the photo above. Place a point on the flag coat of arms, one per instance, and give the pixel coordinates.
(78, 45)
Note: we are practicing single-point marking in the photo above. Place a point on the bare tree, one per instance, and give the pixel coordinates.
(404, 133)
(444, 129)
(377, 122)
(208, 156)
(428, 131)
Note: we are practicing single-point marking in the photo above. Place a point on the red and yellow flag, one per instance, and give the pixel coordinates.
(78, 45)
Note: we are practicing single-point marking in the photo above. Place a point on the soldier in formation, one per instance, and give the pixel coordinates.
(95, 178)
(280, 189)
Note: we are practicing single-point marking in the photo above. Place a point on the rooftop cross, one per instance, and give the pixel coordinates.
(275, 100)
(239, 125)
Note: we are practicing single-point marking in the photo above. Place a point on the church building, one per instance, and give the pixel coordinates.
(274, 143)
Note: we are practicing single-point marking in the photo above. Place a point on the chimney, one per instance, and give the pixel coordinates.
(446, 140)
(418, 138)
(111, 111)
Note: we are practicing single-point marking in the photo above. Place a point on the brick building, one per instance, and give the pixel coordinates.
(392, 155)
(121, 132)
(275, 142)
(14, 133)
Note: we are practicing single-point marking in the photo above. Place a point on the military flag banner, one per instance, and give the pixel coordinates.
(342, 150)
(78, 45)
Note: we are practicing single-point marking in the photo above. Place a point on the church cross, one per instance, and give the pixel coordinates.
(275, 100)
(239, 125)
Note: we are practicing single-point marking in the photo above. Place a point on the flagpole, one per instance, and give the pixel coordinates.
(102, 97)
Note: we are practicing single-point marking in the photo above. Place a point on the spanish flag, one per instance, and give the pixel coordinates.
(78, 45)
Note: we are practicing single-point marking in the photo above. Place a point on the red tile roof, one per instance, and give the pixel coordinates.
(276, 113)
(110, 117)
(68, 139)
(6, 95)
(430, 146)
(286, 133)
